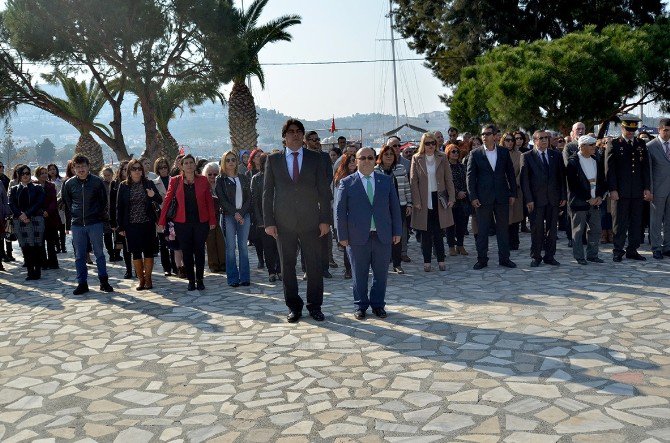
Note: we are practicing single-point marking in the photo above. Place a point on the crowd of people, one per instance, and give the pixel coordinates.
(297, 200)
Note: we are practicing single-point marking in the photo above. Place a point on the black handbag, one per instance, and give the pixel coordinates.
(172, 209)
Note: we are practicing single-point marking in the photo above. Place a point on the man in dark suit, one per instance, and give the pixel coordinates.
(491, 185)
(543, 186)
(296, 211)
(368, 221)
(313, 143)
(587, 187)
(627, 172)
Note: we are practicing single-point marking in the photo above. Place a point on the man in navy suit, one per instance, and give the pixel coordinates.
(491, 185)
(368, 221)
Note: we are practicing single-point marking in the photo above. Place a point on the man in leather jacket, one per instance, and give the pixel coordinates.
(86, 197)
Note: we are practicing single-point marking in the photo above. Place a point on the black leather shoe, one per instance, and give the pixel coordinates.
(199, 285)
(658, 255)
(333, 264)
(635, 256)
(293, 317)
(666, 253)
(570, 243)
(317, 315)
(507, 263)
(535, 263)
(245, 283)
(405, 259)
(82, 288)
(379, 312)
(480, 265)
(191, 286)
(327, 274)
(596, 260)
(128, 275)
(234, 285)
(347, 275)
(617, 258)
(581, 261)
(272, 279)
(104, 285)
(359, 314)
(552, 261)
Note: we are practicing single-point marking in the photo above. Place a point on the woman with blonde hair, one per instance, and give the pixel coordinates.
(433, 196)
(234, 193)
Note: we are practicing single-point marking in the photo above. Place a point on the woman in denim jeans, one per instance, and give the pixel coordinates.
(234, 193)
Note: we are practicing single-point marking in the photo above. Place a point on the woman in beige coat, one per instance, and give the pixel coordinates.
(516, 209)
(433, 196)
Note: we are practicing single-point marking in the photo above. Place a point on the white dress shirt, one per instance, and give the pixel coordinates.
(590, 169)
(432, 179)
(238, 191)
(289, 160)
(492, 157)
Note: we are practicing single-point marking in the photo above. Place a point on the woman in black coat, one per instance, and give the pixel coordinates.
(136, 206)
(269, 249)
(26, 201)
(120, 243)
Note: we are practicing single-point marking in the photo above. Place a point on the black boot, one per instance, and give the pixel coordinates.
(82, 288)
(129, 269)
(104, 285)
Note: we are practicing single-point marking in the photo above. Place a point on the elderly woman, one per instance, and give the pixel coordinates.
(26, 201)
(51, 219)
(516, 209)
(433, 195)
(234, 193)
(387, 163)
(216, 246)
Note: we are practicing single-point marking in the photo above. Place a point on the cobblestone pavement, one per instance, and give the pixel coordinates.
(569, 353)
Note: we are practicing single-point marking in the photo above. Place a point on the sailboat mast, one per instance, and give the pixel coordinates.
(395, 77)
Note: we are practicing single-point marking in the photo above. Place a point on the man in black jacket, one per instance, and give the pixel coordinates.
(296, 211)
(86, 197)
(543, 185)
(491, 185)
(587, 188)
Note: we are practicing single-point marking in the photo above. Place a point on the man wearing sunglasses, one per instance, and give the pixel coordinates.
(544, 191)
(368, 223)
(491, 185)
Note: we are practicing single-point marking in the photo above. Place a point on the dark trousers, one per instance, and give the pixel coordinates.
(48, 249)
(325, 260)
(627, 219)
(432, 236)
(287, 243)
(485, 217)
(373, 254)
(109, 243)
(270, 252)
(61, 238)
(165, 253)
(513, 232)
(543, 232)
(347, 263)
(456, 232)
(256, 236)
(192, 238)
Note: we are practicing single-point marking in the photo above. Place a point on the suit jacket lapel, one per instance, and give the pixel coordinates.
(486, 160)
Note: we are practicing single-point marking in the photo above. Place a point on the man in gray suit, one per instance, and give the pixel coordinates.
(659, 164)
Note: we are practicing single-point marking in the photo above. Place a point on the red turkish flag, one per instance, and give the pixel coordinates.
(332, 125)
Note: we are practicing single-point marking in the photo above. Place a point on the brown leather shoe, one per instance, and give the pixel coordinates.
(462, 251)
(452, 251)
(139, 270)
(148, 269)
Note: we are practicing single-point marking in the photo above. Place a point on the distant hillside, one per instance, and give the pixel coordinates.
(205, 131)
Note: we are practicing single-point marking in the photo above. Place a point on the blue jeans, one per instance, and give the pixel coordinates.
(81, 236)
(237, 234)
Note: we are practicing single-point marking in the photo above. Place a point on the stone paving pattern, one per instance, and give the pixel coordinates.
(574, 353)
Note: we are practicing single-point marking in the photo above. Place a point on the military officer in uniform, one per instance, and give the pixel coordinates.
(627, 173)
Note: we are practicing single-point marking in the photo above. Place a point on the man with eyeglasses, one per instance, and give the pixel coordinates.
(313, 143)
(587, 188)
(544, 191)
(491, 186)
(627, 172)
(578, 129)
(368, 222)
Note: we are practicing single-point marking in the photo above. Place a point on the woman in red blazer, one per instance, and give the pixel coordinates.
(193, 219)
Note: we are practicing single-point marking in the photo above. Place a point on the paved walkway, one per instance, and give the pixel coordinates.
(574, 353)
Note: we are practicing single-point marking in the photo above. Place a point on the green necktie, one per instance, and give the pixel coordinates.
(371, 197)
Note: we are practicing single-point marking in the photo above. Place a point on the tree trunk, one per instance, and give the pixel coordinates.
(242, 118)
(88, 146)
(151, 134)
(170, 148)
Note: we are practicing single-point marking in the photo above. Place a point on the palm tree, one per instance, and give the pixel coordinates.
(250, 39)
(84, 103)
